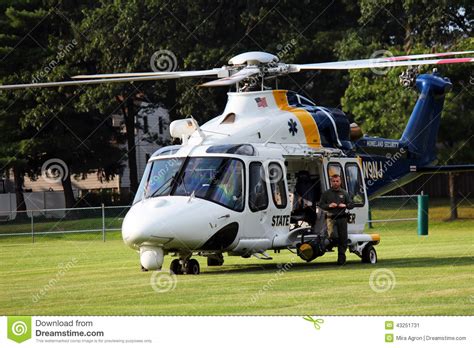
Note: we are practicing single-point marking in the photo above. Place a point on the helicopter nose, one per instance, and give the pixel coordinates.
(134, 227)
(172, 222)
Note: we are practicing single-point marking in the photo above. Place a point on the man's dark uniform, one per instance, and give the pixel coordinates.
(337, 217)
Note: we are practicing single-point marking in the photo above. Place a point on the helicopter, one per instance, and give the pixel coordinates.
(230, 186)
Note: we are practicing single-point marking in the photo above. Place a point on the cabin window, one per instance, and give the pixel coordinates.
(258, 195)
(277, 184)
(333, 169)
(355, 188)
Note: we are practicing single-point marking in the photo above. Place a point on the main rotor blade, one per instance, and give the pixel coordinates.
(426, 55)
(237, 77)
(374, 64)
(192, 73)
(86, 82)
(94, 81)
(395, 58)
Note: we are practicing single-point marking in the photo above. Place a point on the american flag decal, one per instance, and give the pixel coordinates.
(261, 102)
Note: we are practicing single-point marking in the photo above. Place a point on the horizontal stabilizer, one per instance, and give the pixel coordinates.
(455, 168)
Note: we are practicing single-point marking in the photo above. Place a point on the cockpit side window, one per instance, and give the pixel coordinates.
(355, 188)
(336, 168)
(158, 178)
(277, 185)
(258, 195)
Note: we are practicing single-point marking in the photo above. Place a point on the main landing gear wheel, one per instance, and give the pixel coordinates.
(192, 267)
(369, 255)
(175, 267)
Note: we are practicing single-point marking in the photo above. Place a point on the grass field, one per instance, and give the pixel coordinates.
(81, 275)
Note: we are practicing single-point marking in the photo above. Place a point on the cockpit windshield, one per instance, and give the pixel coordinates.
(217, 179)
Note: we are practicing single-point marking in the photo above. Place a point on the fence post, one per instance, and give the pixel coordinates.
(423, 215)
(32, 228)
(103, 222)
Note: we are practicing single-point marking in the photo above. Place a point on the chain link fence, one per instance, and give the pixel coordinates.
(43, 222)
(101, 220)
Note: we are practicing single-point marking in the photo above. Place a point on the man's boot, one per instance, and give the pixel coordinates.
(341, 259)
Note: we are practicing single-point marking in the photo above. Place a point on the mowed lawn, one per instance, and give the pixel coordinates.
(81, 275)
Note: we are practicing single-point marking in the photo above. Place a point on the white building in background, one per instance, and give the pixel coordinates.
(153, 125)
(151, 132)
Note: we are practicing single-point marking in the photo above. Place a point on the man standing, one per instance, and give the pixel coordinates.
(335, 201)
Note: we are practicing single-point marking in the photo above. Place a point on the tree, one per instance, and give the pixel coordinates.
(20, 54)
(420, 26)
(80, 140)
(42, 125)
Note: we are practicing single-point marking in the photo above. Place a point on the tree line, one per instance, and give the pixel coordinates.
(45, 40)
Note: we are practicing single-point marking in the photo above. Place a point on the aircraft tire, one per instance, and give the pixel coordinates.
(192, 267)
(369, 255)
(175, 267)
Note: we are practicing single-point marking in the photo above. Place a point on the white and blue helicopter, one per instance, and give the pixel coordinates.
(232, 185)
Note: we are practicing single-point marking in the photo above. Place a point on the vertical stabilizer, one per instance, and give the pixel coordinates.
(421, 131)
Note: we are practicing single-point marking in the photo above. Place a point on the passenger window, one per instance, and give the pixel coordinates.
(258, 194)
(355, 188)
(335, 168)
(277, 185)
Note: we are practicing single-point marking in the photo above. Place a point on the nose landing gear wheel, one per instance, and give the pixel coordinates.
(175, 267)
(369, 255)
(192, 267)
